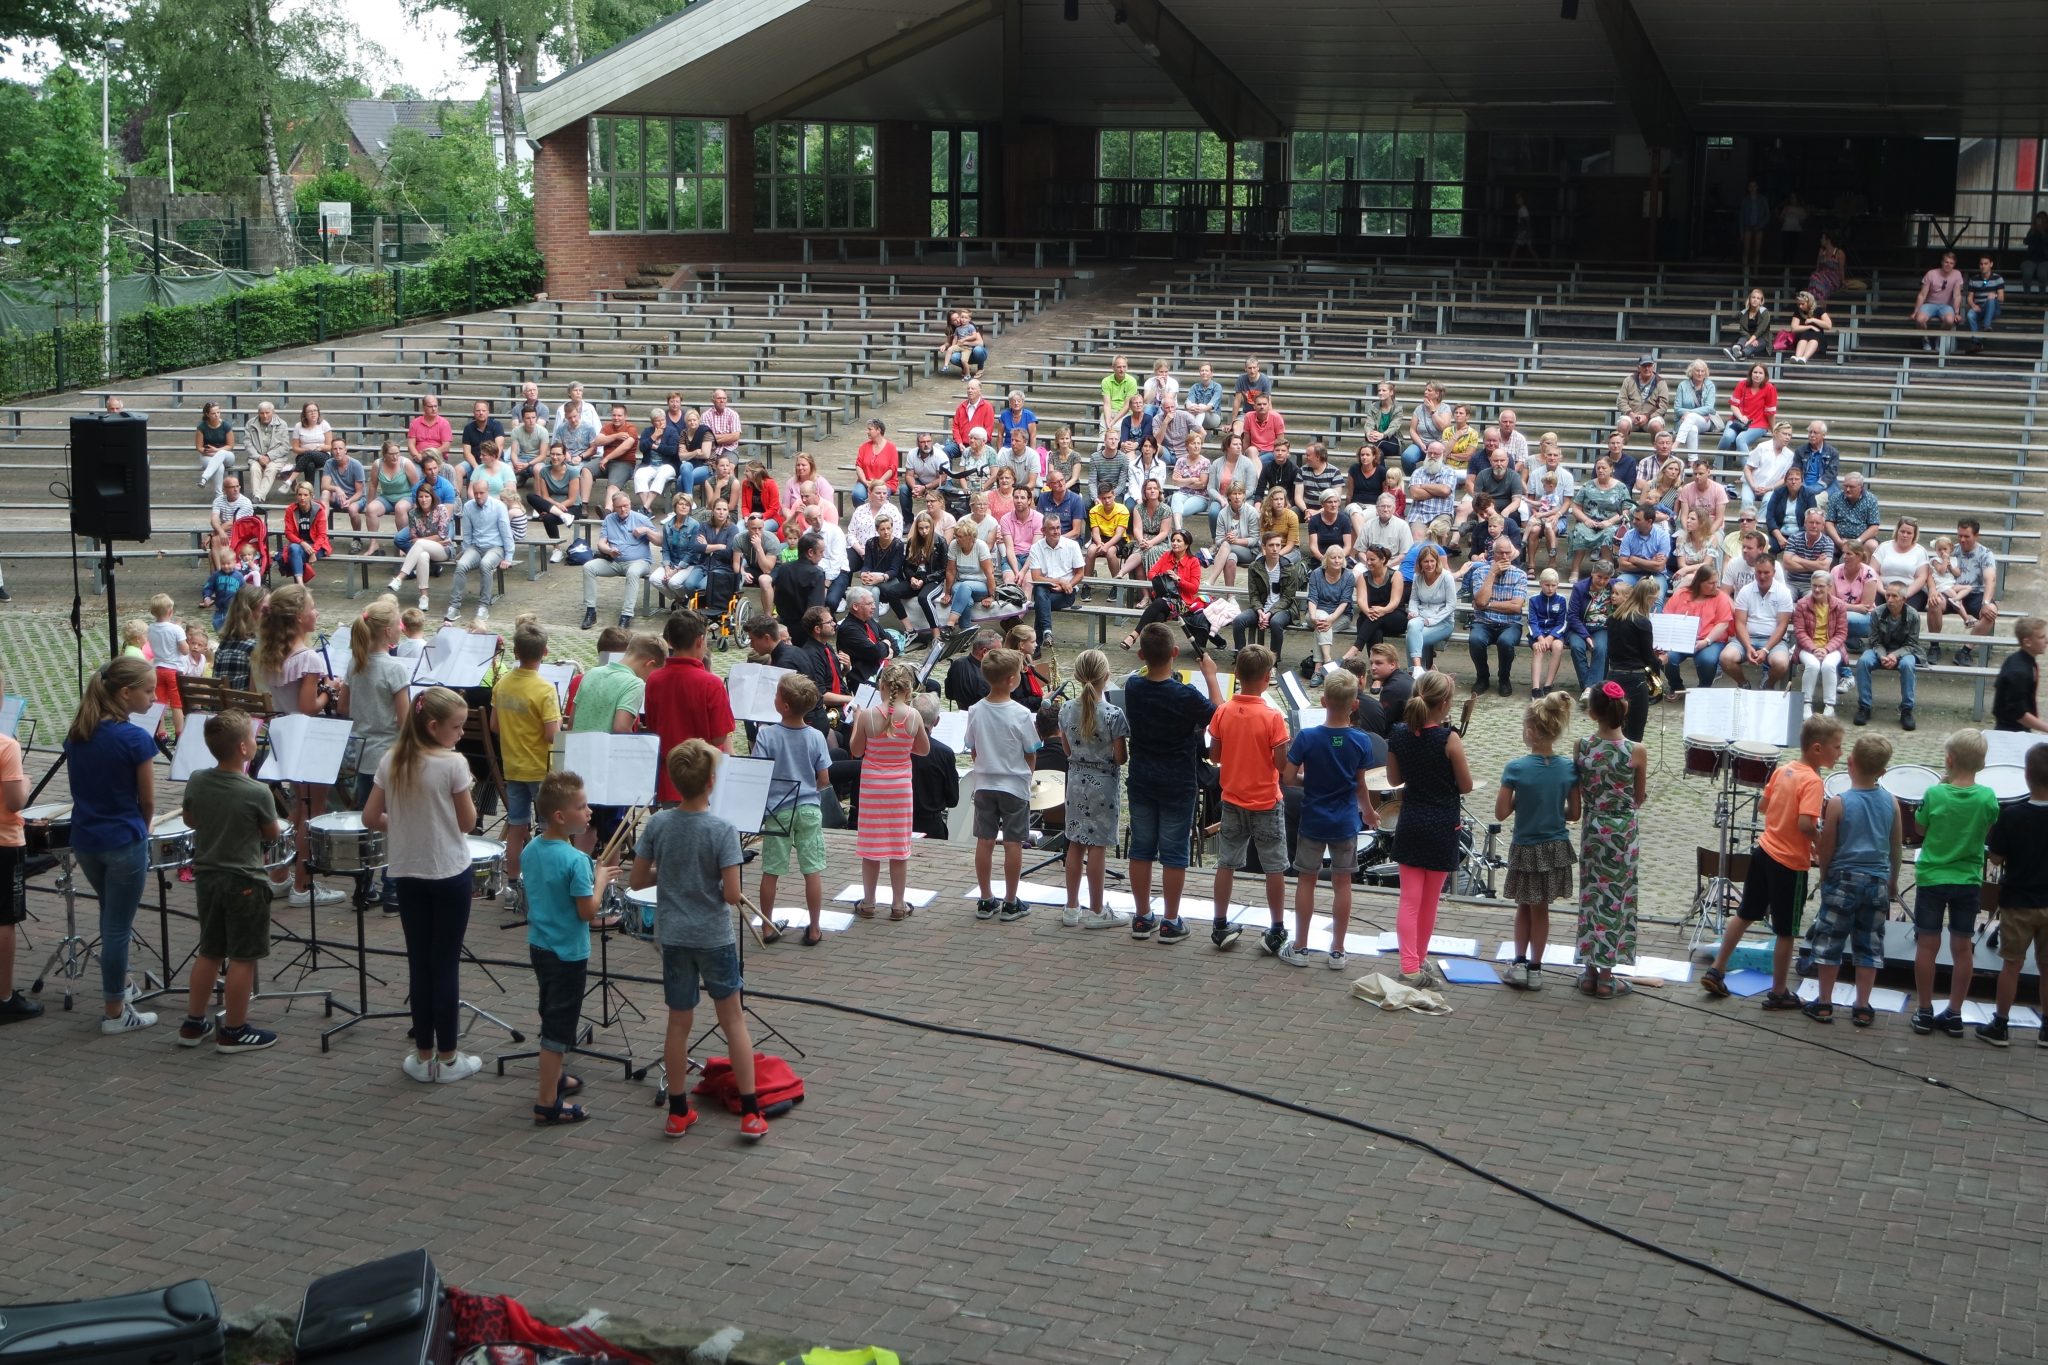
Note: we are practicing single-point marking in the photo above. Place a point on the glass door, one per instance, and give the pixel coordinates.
(956, 182)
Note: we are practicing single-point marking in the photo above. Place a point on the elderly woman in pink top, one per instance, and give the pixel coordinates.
(1858, 585)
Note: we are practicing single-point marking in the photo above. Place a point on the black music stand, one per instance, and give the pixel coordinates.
(612, 1008)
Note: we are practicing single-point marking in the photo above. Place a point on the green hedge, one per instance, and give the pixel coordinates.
(298, 308)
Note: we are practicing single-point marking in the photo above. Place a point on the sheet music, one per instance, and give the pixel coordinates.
(865, 697)
(192, 755)
(610, 658)
(561, 675)
(305, 749)
(338, 657)
(147, 721)
(11, 709)
(1736, 714)
(751, 688)
(1674, 631)
(617, 770)
(951, 730)
(740, 793)
(2000, 746)
(455, 658)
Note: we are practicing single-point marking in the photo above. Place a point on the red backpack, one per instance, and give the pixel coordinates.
(776, 1087)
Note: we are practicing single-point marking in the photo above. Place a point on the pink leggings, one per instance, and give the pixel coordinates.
(1416, 919)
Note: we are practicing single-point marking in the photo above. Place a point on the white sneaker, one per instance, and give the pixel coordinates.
(423, 602)
(420, 1069)
(1337, 962)
(1070, 918)
(317, 894)
(130, 993)
(1417, 671)
(1104, 919)
(555, 557)
(128, 1020)
(483, 616)
(461, 1068)
(393, 585)
(1295, 957)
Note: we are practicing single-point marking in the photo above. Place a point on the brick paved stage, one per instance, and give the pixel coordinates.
(962, 1200)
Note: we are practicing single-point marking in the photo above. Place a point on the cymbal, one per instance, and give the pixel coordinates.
(1048, 791)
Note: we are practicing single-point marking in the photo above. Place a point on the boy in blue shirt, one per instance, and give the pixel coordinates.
(795, 821)
(1329, 763)
(563, 892)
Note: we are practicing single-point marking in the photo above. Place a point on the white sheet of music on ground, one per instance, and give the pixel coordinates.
(1742, 716)
(455, 658)
(305, 749)
(1674, 631)
(751, 689)
(2010, 746)
(617, 770)
(740, 793)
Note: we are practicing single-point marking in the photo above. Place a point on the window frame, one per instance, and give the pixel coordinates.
(809, 177)
(655, 179)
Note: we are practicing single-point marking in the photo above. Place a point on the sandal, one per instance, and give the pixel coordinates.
(1862, 1016)
(1621, 988)
(1127, 642)
(813, 936)
(1820, 1011)
(864, 909)
(568, 1085)
(1783, 1000)
(1604, 989)
(558, 1112)
(1588, 983)
(897, 912)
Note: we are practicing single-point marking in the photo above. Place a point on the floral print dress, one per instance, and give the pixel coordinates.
(1607, 853)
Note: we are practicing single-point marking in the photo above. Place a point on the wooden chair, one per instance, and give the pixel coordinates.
(211, 696)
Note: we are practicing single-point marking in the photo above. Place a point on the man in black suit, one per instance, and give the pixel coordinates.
(800, 584)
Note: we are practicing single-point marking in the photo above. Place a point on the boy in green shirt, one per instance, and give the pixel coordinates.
(232, 816)
(1954, 817)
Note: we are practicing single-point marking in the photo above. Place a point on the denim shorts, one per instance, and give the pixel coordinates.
(1851, 915)
(1934, 312)
(561, 996)
(1162, 827)
(1958, 904)
(519, 799)
(1244, 830)
(1308, 855)
(682, 968)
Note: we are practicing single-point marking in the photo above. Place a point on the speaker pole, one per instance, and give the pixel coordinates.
(113, 614)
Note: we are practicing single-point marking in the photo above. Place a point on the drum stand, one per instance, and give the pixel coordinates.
(1721, 896)
(73, 952)
(612, 1008)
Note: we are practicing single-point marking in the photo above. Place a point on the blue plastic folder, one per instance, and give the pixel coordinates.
(1468, 971)
(1747, 983)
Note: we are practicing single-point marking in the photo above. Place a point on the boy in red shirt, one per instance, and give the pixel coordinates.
(1776, 887)
(1248, 739)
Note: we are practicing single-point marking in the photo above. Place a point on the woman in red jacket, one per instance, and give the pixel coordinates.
(1179, 561)
(1754, 409)
(305, 535)
(758, 493)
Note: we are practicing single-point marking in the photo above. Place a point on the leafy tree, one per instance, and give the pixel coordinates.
(335, 187)
(454, 174)
(62, 182)
(502, 35)
(62, 22)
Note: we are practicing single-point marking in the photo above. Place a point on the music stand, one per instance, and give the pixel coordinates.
(750, 821)
(1708, 915)
(612, 1007)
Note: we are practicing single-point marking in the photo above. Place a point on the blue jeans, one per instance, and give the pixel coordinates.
(1983, 315)
(1706, 666)
(1188, 504)
(977, 356)
(1867, 665)
(1411, 456)
(1589, 656)
(1731, 439)
(691, 475)
(296, 557)
(1630, 580)
(117, 876)
(1162, 827)
(965, 595)
(1044, 602)
(1423, 640)
(1503, 636)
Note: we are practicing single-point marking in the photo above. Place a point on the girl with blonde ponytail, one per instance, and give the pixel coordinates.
(113, 800)
(420, 802)
(376, 693)
(1096, 735)
(1541, 790)
(885, 738)
(295, 674)
(1426, 759)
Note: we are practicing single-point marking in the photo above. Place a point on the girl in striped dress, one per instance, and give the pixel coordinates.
(885, 738)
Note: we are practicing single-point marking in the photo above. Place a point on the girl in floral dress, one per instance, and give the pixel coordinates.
(1612, 781)
(884, 738)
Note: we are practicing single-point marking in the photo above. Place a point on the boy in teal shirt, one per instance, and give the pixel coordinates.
(563, 891)
(1954, 817)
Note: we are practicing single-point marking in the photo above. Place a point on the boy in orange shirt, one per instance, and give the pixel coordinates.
(1776, 886)
(1248, 739)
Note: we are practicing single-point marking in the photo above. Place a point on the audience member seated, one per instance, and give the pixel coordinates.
(1703, 599)
(1643, 399)
(1765, 467)
(1893, 645)
(1808, 329)
(1752, 328)
(1940, 300)
(1820, 630)
(1970, 594)
(1752, 410)
(1694, 406)
(1853, 512)
(1761, 639)
(1985, 292)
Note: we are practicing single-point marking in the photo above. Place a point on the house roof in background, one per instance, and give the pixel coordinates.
(372, 122)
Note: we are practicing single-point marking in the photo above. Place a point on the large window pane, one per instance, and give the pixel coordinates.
(711, 148)
(711, 204)
(942, 162)
(764, 150)
(600, 205)
(1116, 155)
(1408, 149)
(863, 149)
(686, 204)
(788, 148)
(684, 141)
(970, 163)
(823, 176)
(1148, 155)
(656, 218)
(627, 141)
(1180, 156)
(657, 146)
(600, 145)
(838, 150)
(861, 193)
(626, 204)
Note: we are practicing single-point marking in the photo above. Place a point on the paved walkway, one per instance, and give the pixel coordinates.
(969, 1200)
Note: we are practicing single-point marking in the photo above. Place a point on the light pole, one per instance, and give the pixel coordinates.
(110, 49)
(171, 147)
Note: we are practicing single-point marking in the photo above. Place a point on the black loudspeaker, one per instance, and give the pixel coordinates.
(389, 1312)
(175, 1326)
(110, 477)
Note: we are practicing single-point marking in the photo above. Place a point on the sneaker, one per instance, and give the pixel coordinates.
(1419, 980)
(986, 907)
(460, 1067)
(1923, 1021)
(1535, 979)
(1515, 974)
(1934, 653)
(626, 621)
(1172, 930)
(1434, 975)
(423, 602)
(247, 1039)
(1224, 936)
(193, 1032)
(1336, 960)
(1142, 926)
(1070, 918)
(1862, 716)
(1995, 1033)
(128, 1020)
(1273, 940)
(448, 616)
(753, 1127)
(678, 1124)
(1104, 919)
(394, 585)
(1966, 656)
(1906, 721)
(18, 1007)
(1949, 1022)
(554, 556)
(483, 616)
(1293, 956)
(1013, 911)
(317, 894)
(589, 617)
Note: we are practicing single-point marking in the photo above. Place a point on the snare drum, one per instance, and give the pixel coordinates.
(1705, 757)
(1910, 783)
(170, 844)
(339, 843)
(2008, 782)
(487, 867)
(1835, 785)
(281, 852)
(1753, 763)
(46, 828)
(639, 912)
